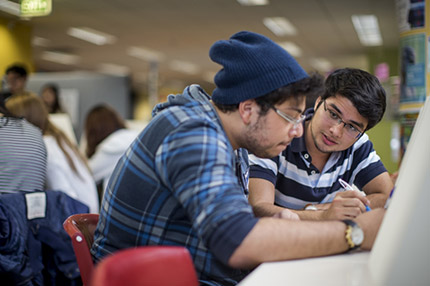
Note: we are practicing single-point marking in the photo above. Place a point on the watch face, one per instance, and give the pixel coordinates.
(357, 235)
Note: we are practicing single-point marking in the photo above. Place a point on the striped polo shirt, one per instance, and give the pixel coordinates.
(298, 182)
(22, 156)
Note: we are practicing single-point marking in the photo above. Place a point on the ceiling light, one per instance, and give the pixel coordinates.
(253, 2)
(114, 69)
(184, 67)
(92, 36)
(10, 7)
(367, 29)
(292, 48)
(145, 54)
(62, 58)
(40, 42)
(280, 26)
(321, 64)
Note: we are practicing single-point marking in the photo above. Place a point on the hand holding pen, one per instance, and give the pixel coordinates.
(346, 204)
(348, 187)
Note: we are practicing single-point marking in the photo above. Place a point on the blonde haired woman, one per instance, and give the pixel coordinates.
(67, 170)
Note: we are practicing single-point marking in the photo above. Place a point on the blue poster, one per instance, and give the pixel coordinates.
(413, 69)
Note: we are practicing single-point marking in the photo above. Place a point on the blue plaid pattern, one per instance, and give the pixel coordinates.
(177, 185)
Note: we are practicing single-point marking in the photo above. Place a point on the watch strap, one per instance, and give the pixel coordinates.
(350, 224)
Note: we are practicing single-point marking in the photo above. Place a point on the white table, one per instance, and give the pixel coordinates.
(349, 269)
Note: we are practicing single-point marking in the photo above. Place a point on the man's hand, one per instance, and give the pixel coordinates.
(370, 223)
(346, 205)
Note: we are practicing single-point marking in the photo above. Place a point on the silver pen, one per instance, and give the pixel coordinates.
(348, 187)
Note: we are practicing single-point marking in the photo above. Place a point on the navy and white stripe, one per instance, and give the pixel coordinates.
(297, 182)
(22, 156)
(177, 185)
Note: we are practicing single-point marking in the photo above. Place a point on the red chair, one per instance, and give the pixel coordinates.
(147, 266)
(80, 228)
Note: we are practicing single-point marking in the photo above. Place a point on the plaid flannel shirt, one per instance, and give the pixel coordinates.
(180, 183)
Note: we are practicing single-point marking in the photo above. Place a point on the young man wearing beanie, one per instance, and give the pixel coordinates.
(334, 146)
(182, 181)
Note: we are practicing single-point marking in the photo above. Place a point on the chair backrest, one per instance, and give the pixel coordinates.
(80, 228)
(147, 265)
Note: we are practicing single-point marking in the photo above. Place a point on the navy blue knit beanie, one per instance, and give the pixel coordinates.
(253, 66)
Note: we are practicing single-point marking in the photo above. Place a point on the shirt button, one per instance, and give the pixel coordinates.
(306, 156)
(313, 172)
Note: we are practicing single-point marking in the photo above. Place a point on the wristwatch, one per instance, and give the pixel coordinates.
(354, 234)
(310, 207)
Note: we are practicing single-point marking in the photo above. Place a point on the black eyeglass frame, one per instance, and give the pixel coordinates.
(334, 116)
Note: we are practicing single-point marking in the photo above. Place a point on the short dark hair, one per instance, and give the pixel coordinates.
(362, 89)
(298, 89)
(19, 69)
(315, 88)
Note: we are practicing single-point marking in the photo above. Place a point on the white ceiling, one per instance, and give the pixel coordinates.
(184, 30)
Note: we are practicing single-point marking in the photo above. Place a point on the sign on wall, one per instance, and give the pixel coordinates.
(32, 8)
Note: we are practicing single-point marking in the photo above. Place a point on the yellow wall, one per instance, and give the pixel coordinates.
(15, 39)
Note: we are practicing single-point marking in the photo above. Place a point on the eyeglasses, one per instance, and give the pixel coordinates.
(334, 118)
(288, 118)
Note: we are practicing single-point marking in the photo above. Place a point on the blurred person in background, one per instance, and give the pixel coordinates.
(67, 169)
(107, 139)
(22, 154)
(16, 79)
(50, 96)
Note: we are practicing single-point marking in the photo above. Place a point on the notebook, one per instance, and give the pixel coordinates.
(401, 253)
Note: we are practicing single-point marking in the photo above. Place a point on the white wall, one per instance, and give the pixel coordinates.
(83, 90)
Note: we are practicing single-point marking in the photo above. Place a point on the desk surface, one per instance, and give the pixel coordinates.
(344, 270)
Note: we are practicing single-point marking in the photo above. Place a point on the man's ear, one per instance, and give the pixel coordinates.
(317, 102)
(246, 109)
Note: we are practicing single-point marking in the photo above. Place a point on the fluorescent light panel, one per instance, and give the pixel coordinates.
(91, 35)
(10, 7)
(145, 54)
(62, 58)
(280, 26)
(292, 48)
(321, 64)
(184, 67)
(40, 42)
(367, 29)
(253, 2)
(114, 69)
